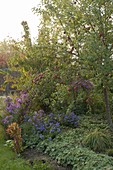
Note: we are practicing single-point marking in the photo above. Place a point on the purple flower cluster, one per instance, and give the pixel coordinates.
(24, 97)
(7, 119)
(16, 109)
(68, 119)
(48, 126)
(86, 84)
(45, 125)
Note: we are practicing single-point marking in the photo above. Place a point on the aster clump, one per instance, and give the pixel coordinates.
(50, 125)
(69, 119)
(46, 125)
(16, 109)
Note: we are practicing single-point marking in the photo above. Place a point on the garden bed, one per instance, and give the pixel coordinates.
(33, 155)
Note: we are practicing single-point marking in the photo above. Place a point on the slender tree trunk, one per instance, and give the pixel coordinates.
(108, 114)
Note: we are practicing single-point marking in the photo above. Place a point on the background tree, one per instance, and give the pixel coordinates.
(87, 28)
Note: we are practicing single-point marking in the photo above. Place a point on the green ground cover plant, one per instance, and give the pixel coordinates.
(67, 148)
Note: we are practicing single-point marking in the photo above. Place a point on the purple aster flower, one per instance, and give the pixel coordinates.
(65, 117)
(8, 99)
(50, 138)
(57, 124)
(42, 128)
(52, 130)
(11, 107)
(18, 100)
(7, 119)
(58, 130)
(18, 105)
(41, 136)
(51, 115)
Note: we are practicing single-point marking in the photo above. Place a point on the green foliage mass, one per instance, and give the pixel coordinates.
(74, 42)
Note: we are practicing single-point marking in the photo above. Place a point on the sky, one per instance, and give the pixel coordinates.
(12, 13)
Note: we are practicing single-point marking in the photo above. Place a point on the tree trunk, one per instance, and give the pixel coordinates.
(108, 114)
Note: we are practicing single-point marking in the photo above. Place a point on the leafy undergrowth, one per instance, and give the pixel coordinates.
(68, 149)
(82, 147)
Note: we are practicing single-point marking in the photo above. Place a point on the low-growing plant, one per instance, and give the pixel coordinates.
(42, 165)
(68, 119)
(41, 126)
(97, 140)
(45, 125)
(10, 144)
(67, 152)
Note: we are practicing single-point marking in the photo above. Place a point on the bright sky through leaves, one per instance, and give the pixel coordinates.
(12, 13)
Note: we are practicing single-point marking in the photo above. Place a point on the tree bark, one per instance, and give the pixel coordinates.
(108, 114)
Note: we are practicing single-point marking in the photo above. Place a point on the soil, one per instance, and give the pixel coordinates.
(33, 155)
